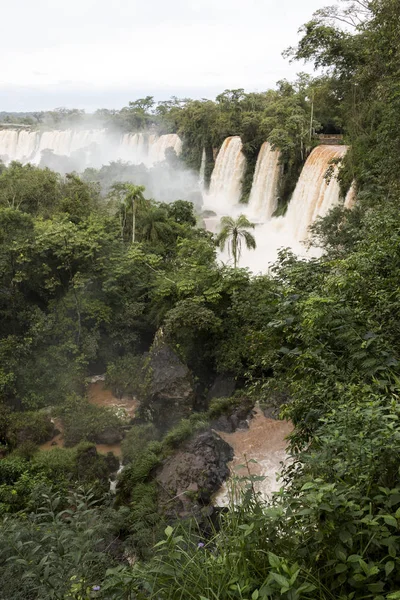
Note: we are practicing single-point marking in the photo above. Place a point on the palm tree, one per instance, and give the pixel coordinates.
(234, 232)
(136, 199)
(128, 198)
(153, 225)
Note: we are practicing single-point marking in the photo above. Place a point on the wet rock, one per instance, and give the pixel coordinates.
(169, 395)
(109, 436)
(236, 418)
(188, 479)
(223, 387)
(275, 402)
(112, 462)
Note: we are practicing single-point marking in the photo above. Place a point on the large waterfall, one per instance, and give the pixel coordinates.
(226, 179)
(314, 195)
(263, 199)
(90, 147)
(160, 145)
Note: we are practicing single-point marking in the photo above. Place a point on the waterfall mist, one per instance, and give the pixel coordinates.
(141, 158)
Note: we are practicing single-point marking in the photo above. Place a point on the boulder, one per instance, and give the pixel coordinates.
(236, 418)
(169, 389)
(223, 387)
(109, 436)
(188, 479)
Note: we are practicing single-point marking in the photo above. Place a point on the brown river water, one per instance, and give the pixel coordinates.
(99, 395)
(264, 442)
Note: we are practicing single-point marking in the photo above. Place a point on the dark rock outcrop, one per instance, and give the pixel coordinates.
(275, 402)
(169, 395)
(109, 436)
(223, 387)
(237, 418)
(188, 479)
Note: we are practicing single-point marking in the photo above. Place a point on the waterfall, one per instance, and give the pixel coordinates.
(134, 148)
(92, 147)
(202, 172)
(226, 179)
(314, 196)
(351, 197)
(114, 480)
(158, 147)
(263, 199)
(8, 144)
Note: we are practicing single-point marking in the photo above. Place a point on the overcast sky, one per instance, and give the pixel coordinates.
(103, 53)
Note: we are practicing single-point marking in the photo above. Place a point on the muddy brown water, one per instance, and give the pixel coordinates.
(264, 442)
(99, 395)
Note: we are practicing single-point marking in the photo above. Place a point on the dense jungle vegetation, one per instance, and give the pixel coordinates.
(78, 297)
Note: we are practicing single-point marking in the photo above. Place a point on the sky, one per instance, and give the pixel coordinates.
(102, 53)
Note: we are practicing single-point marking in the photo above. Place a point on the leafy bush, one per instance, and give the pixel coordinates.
(124, 375)
(135, 439)
(183, 431)
(34, 427)
(86, 422)
(219, 406)
(55, 553)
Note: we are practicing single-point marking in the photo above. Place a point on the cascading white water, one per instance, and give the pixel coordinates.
(95, 146)
(263, 199)
(314, 195)
(8, 143)
(351, 197)
(202, 172)
(134, 148)
(226, 179)
(158, 147)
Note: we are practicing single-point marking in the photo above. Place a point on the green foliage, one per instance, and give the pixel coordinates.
(25, 427)
(54, 553)
(124, 375)
(83, 421)
(136, 438)
(184, 430)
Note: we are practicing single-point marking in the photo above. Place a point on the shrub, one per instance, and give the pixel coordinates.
(183, 431)
(86, 422)
(136, 438)
(33, 427)
(124, 375)
(58, 464)
(219, 406)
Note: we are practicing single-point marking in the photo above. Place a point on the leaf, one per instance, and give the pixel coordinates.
(255, 595)
(389, 520)
(389, 567)
(341, 568)
(308, 486)
(274, 560)
(280, 579)
(168, 531)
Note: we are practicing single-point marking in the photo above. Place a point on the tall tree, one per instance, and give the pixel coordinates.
(234, 231)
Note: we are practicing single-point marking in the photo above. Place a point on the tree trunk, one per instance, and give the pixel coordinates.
(133, 221)
(234, 248)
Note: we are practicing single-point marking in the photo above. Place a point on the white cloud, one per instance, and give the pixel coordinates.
(96, 46)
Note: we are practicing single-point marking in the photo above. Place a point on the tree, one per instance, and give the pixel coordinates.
(136, 199)
(236, 231)
(154, 226)
(130, 198)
